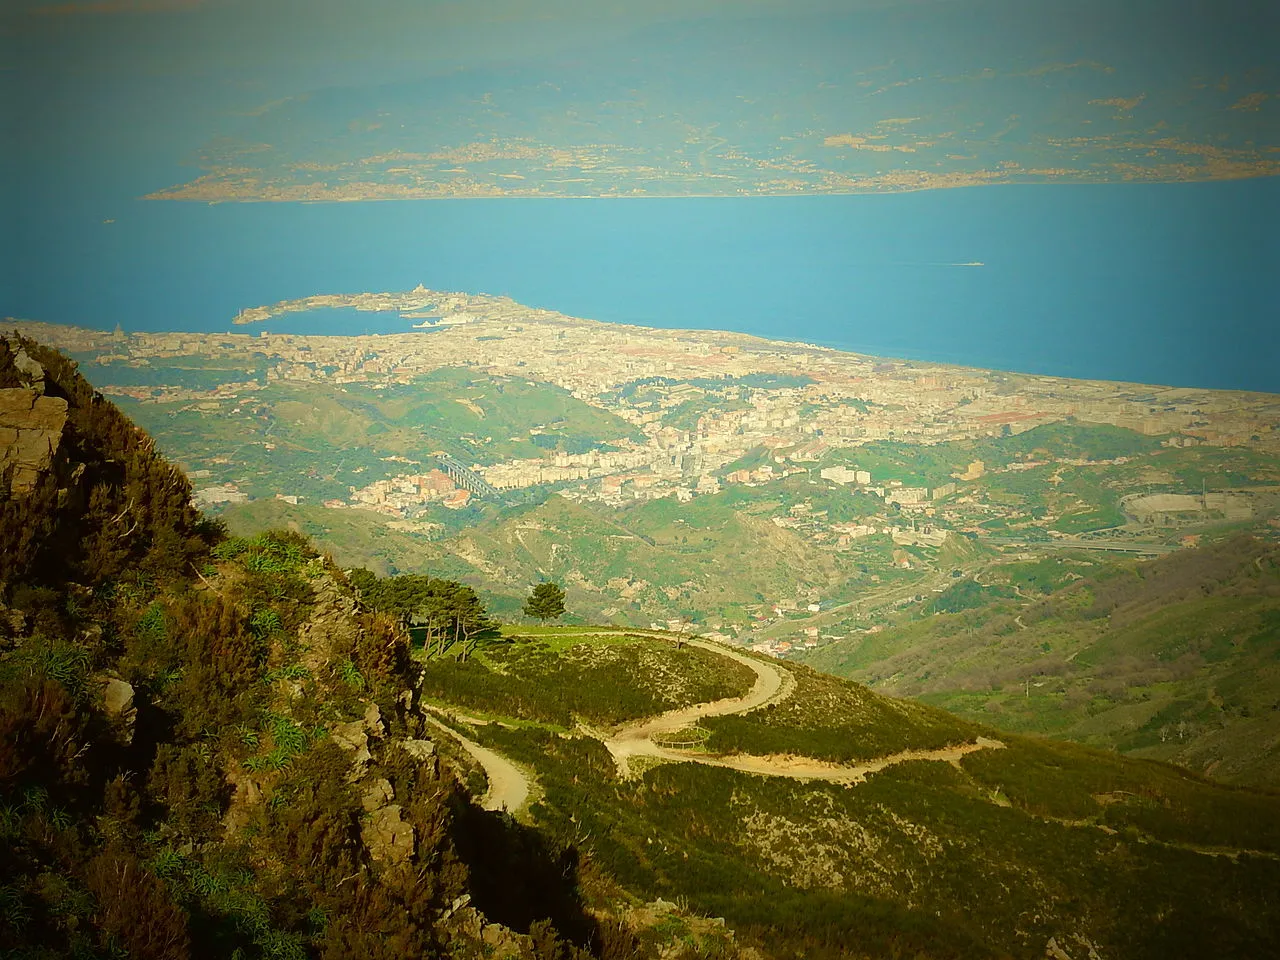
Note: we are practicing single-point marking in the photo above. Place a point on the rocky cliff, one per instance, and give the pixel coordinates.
(208, 747)
(31, 425)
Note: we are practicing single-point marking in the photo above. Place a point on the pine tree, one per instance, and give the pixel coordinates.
(546, 602)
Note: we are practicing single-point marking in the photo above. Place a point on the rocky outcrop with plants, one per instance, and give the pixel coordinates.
(208, 746)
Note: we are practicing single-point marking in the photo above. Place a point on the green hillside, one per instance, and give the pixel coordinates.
(1177, 658)
(717, 557)
(318, 439)
(699, 559)
(217, 746)
(947, 845)
(355, 538)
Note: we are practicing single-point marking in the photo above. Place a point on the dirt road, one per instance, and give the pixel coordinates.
(508, 785)
(806, 768)
(773, 684)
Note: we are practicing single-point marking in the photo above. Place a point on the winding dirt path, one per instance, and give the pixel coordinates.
(806, 768)
(773, 684)
(509, 786)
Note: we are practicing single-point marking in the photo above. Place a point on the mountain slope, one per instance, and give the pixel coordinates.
(1176, 659)
(207, 747)
(829, 820)
(658, 555)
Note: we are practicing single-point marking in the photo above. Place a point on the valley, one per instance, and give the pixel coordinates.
(1174, 659)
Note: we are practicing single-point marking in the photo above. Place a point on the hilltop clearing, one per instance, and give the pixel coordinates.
(1175, 658)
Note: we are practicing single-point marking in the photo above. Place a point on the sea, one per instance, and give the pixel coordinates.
(1157, 283)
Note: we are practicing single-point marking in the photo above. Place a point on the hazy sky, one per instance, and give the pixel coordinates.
(148, 81)
(272, 35)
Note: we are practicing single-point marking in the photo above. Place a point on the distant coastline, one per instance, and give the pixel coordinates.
(216, 187)
(870, 274)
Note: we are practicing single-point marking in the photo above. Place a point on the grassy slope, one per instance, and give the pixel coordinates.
(1178, 659)
(702, 556)
(355, 538)
(326, 437)
(602, 681)
(988, 858)
(911, 463)
(831, 719)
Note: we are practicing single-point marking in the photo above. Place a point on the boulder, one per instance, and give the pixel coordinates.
(420, 750)
(351, 736)
(373, 721)
(377, 794)
(117, 702)
(29, 368)
(387, 837)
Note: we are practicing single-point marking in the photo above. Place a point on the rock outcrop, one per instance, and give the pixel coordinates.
(378, 794)
(387, 836)
(352, 737)
(117, 702)
(31, 423)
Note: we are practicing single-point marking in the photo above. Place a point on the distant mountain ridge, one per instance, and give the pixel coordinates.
(876, 100)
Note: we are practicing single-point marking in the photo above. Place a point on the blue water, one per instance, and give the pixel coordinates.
(1161, 283)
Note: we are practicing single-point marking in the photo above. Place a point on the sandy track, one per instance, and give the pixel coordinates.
(806, 768)
(773, 684)
(508, 785)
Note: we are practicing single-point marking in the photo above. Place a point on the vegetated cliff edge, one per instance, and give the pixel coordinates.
(207, 749)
